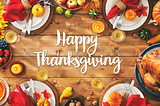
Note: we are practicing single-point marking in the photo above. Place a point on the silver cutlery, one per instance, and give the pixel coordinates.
(126, 84)
(30, 23)
(118, 21)
(28, 92)
(129, 89)
(33, 90)
(23, 32)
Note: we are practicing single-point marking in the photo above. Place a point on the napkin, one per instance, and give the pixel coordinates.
(15, 10)
(132, 4)
(135, 100)
(19, 98)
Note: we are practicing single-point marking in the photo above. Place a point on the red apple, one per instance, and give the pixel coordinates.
(71, 3)
(1, 52)
(5, 60)
(6, 52)
(81, 2)
(61, 1)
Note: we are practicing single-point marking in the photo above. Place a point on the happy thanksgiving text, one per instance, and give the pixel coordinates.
(78, 61)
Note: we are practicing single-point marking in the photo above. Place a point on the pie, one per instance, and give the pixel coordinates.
(2, 89)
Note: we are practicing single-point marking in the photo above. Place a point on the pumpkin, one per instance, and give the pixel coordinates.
(130, 14)
(114, 99)
(43, 102)
(145, 34)
(93, 13)
(38, 10)
(156, 12)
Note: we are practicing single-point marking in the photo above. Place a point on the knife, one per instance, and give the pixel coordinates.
(127, 93)
(33, 90)
(30, 23)
(28, 92)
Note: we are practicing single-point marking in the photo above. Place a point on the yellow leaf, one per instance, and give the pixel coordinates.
(5, 25)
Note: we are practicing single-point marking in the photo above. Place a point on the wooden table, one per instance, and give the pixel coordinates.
(64, 76)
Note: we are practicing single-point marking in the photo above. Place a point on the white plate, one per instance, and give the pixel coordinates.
(37, 22)
(126, 24)
(120, 88)
(40, 87)
(7, 92)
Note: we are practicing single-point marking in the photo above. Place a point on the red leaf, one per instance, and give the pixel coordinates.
(106, 104)
(37, 95)
(141, 11)
(46, 94)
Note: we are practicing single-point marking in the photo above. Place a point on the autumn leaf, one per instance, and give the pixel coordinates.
(46, 94)
(37, 95)
(141, 11)
(85, 7)
(95, 0)
(97, 4)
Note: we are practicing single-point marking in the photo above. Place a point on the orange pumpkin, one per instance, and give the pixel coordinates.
(114, 99)
(156, 12)
(43, 102)
(130, 14)
(38, 10)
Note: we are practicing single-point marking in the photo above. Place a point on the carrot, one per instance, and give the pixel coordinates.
(154, 39)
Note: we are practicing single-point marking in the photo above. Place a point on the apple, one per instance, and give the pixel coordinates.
(68, 14)
(5, 60)
(71, 4)
(1, 52)
(81, 2)
(6, 52)
(61, 1)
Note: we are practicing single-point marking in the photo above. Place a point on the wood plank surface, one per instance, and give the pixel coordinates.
(127, 69)
(30, 44)
(82, 86)
(63, 76)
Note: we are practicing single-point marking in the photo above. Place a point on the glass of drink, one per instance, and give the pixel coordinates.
(98, 27)
(97, 83)
(10, 36)
(118, 35)
(42, 75)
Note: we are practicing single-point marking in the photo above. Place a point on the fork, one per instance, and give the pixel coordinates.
(126, 86)
(120, 20)
(23, 32)
(27, 90)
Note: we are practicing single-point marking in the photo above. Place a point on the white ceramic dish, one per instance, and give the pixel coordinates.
(120, 88)
(40, 87)
(128, 25)
(7, 92)
(37, 22)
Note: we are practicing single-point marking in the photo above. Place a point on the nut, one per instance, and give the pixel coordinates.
(78, 103)
(94, 102)
(91, 93)
(72, 104)
(89, 98)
